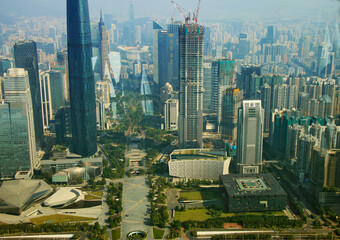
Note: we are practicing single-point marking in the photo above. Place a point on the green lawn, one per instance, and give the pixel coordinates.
(158, 233)
(203, 194)
(116, 234)
(197, 214)
(203, 214)
(94, 195)
(59, 218)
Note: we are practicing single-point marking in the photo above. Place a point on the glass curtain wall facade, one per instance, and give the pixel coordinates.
(81, 80)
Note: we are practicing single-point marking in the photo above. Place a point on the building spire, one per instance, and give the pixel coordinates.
(101, 16)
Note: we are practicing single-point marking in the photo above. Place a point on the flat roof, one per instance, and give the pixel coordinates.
(197, 154)
(251, 184)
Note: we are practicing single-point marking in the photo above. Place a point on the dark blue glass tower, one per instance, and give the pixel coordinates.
(81, 80)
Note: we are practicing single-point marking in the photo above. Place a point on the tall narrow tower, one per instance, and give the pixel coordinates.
(250, 137)
(191, 85)
(25, 56)
(82, 86)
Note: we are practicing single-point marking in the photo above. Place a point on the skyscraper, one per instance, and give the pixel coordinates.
(191, 85)
(250, 136)
(161, 55)
(266, 103)
(231, 101)
(174, 54)
(222, 77)
(104, 48)
(82, 86)
(17, 135)
(25, 56)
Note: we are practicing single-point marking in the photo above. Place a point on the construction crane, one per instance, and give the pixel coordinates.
(186, 16)
(230, 52)
(197, 12)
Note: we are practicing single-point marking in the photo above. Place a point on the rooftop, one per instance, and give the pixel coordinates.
(197, 154)
(251, 184)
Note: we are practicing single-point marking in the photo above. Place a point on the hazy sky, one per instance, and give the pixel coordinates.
(210, 9)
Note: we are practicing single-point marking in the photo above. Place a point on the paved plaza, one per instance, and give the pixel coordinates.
(136, 214)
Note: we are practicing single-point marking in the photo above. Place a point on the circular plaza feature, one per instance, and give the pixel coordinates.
(137, 235)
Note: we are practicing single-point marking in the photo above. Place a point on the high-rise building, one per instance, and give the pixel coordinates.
(231, 102)
(171, 115)
(17, 135)
(293, 134)
(57, 89)
(174, 54)
(81, 80)
(132, 24)
(325, 168)
(207, 83)
(250, 136)
(45, 92)
(104, 48)
(304, 153)
(304, 47)
(25, 56)
(161, 55)
(266, 103)
(222, 77)
(245, 78)
(270, 34)
(5, 64)
(191, 85)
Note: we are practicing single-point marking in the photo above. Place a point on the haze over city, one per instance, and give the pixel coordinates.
(170, 119)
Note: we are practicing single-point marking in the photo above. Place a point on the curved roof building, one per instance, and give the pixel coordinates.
(18, 195)
(64, 196)
(198, 164)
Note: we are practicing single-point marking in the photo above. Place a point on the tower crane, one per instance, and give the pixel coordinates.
(197, 12)
(229, 53)
(186, 16)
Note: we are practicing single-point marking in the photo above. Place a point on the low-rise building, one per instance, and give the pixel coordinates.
(253, 193)
(198, 164)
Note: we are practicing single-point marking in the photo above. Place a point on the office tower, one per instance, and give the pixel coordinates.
(270, 34)
(132, 24)
(222, 77)
(244, 79)
(63, 126)
(191, 85)
(167, 92)
(100, 114)
(171, 115)
(174, 54)
(325, 168)
(161, 55)
(25, 56)
(45, 92)
(17, 135)
(304, 47)
(250, 136)
(207, 83)
(156, 29)
(104, 49)
(243, 46)
(56, 78)
(266, 103)
(82, 86)
(231, 102)
(5, 64)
